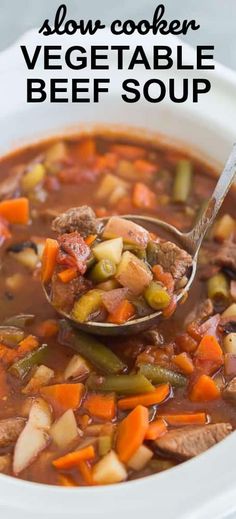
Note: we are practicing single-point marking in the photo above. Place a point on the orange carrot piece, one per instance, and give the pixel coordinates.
(86, 149)
(184, 362)
(209, 349)
(101, 406)
(128, 152)
(131, 433)
(86, 472)
(68, 275)
(155, 397)
(48, 328)
(185, 419)
(66, 481)
(90, 239)
(143, 197)
(204, 389)
(156, 429)
(15, 211)
(144, 168)
(72, 459)
(26, 345)
(164, 277)
(49, 259)
(122, 314)
(67, 396)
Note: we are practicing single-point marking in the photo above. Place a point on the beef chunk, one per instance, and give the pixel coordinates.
(186, 442)
(63, 295)
(226, 257)
(73, 251)
(10, 429)
(173, 259)
(230, 391)
(81, 219)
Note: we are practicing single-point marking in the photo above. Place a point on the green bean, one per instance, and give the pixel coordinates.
(20, 320)
(218, 287)
(158, 375)
(140, 253)
(91, 349)
(104, 445)
(183, 181)
(11, 334)
(156, 296)
(86, 305)
(21, 367)
(102, 271)
(121, 384)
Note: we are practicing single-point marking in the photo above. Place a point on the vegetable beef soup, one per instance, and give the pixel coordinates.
(79, 410)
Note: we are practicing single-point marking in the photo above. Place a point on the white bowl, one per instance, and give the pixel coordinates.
(204, 487)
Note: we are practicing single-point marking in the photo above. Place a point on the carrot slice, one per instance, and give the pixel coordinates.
(90, 239)
(156, 429)
(49, 259)
(143, 197)
(67, 396)
(86, 472)
(155, 397)
(164, 277)
(144, 168)
(123, 313)
(15, 211)
(86, 149)
(131, 433)
(209, 349)
(26, 345)
(204, 389)
(185, 419)
(101, 406)
(68, 275)
(48, 328)
(184, 362)
(72, 459)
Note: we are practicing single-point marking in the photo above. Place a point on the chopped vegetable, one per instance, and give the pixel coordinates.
(122, 313)
(49, 259)
(204, 389)
(101, 406)
(224, 228)
(66, 396)
(230, 311)
(77, 368)
(143, 197)
(121, 384)
(93, 350)
(184, 362)
(209, 349)
(104, 445)
(218, 287)
(109, 470)
(156, 296)
(64, 431)
(156, 429)
(133, 273)
(185, 419)
(159, 375)
(68, 274)
(183, 181)
(48, 328)
(131, 233)
(22, 367)
(140, 458)
(109, 250)
(11, 334)
(127, 443)
(16, 211)
(72, 459)
(103, 270)
(33, 178)
(87, 305)
(41, 377)
(230, 343)
(154, 397)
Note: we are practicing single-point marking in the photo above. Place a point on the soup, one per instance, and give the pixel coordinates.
(82, 410)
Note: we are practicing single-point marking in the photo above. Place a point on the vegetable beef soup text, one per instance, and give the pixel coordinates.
(79, 410)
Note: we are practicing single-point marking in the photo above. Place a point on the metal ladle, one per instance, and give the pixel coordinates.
(190, 241)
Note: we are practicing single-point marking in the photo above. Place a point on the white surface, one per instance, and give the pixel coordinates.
(205, 487)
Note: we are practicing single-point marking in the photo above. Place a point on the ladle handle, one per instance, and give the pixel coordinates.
(194, 238)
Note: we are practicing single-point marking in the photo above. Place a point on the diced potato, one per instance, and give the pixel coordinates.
(133, 273)
(230, 311)
(64, 430)
(130, 232)
(141, 457)
(118, 193)
(15, 282)
(111, 284)
(87, 305)
(34, 437)
(57, 154)
(108, 184)
(27, 257)
(33, 178)
(110, 249)
(109, 470)
(230, 343)
(42, 376)
(77, 368)
(224, 228)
